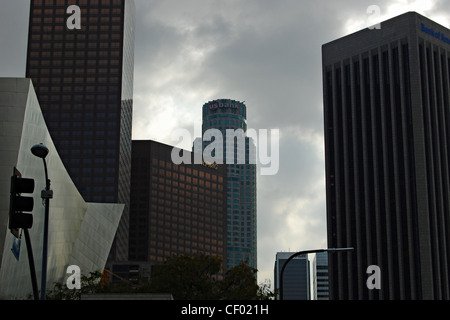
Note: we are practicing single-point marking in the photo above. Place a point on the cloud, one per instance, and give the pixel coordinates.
(267, 53)
(13, 37)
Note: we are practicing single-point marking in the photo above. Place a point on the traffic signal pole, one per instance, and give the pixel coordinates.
(31, 263)
(46, 195)
(41, 151)
(19, 220)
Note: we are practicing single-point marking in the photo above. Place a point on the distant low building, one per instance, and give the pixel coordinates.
(320, 276)
(296, 276)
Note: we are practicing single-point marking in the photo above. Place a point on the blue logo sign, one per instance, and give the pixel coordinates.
(16, 247)
(439, 35)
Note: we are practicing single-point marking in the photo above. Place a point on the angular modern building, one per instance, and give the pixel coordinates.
(84, 81)
(238, 153)
(387, 141)
(80, 233)
(175, 209)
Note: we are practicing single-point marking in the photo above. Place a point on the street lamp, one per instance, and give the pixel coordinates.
(305, 252)
(41, 151)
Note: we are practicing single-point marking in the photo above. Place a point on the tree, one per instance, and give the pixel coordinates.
(239, 283)
(93, 283)
(264, 292)
(89, 284)
(187, 277)
(192, 277)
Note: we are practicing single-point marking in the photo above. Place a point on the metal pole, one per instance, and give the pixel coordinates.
(31, 262)
(300, 253)
(45, 246)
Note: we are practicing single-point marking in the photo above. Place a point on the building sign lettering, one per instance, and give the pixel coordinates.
(437, 34)
(220, 105)
(214, 165)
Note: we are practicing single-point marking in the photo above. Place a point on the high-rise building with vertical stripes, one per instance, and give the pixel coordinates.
(387, 154)
(81, 60)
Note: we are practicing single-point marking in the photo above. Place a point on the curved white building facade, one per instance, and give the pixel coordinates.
(80, 233)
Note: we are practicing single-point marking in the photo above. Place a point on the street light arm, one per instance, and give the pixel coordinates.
(301, 253)
(339, 249)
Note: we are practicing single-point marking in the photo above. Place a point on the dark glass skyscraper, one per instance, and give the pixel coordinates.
(387, 144)
(223, 115)
(84, 83)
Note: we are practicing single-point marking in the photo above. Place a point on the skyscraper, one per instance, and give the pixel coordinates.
(237, 153)
(175, 209)
(387, 142)
(84, 82)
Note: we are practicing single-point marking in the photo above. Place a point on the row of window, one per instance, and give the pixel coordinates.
(187, 225)
(81, 3)
(79, 54)
(180, 197)
(160, 249)
(202, 181)
(173, 213)
(161, 255)
(38, 18)
(184, 170)
(176, 187)
(73, 66)
(70, 38)
(60, 45)
(100, 80)
(62, 28)
(80, 89)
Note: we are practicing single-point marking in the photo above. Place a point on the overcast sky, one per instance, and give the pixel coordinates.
(264, 52)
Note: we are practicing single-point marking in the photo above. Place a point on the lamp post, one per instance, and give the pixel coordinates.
(305, 252)
(41, 151)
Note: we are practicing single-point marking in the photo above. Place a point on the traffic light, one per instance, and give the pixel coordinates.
(20, 204)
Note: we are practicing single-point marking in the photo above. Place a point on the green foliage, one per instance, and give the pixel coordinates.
(239, 283)
(186, 277)
(195, 277)
(89, 284)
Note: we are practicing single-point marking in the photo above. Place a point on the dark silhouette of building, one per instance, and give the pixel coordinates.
(387, 143)
(175, 209)
(84, 83)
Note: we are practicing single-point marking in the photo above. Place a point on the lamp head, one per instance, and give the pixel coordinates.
(39, 151)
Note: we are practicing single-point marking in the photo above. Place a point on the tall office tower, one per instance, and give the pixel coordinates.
(320, 276)
(387, 144)
(238, 152)
(296, 276)
(175, 209)
(84, 83)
